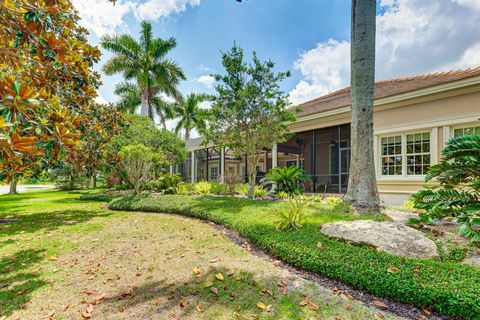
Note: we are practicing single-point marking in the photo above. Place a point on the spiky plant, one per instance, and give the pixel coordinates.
(458, 192)
(286, 179)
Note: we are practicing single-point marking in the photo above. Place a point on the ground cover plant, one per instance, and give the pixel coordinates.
(70, 259)
(447, 287)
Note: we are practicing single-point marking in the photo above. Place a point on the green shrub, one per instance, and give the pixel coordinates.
(449, 288)
(458, 193)
(282, 195)
(181, 189)
(219, 188)
(96, 197)
(259, 192)
(292, 215)
(243, 188)
(203, 188)
(286, 179)
(333, 201)
(167, 183)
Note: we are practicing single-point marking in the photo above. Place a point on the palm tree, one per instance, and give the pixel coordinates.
(189, 114)
(145, 62)
(362, 185)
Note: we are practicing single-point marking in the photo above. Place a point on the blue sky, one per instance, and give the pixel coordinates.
(308, 37)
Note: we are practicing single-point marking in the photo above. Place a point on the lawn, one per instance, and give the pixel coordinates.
(65, 257)
(450, 288)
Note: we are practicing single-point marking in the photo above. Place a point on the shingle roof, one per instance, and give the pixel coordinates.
(386, 88)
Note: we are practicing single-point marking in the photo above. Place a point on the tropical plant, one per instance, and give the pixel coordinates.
(243, 188)
(189, 114)
(286, 179)
(181, 189)
(248, 112)
(458, 193)
(219, 188)
(282, 195)
(144, 61)
(166, 183)
(292, 214)
(260, 192)
(138, 161)
(203, 188)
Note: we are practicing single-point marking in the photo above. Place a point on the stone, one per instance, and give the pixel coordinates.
(473, 260)
(392, 237)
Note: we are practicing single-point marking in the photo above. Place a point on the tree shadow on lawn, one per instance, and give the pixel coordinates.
(17, 283)
(47, 221)
(238, 295)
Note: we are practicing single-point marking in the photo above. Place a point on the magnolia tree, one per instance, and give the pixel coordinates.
(248, 112)
(47, 87)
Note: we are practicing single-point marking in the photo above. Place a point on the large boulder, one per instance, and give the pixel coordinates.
(392, 237)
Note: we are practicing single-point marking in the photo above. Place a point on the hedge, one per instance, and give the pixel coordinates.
(450, 288)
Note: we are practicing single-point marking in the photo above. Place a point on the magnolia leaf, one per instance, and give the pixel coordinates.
(196, 270)
(200, 308)
(214, 290)
(392, 270)
(380, 304)
(219, 276)
(261, 305)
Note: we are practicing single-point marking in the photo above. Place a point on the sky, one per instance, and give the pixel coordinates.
(308, 37)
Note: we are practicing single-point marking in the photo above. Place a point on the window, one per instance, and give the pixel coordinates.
(460, 132)
(418, 153)
(213, 173)
(405, 154)
(391, 155)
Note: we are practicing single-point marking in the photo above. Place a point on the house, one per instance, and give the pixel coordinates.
(413, 118)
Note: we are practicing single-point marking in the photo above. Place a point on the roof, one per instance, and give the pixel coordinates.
(194, 142)
(385, 88)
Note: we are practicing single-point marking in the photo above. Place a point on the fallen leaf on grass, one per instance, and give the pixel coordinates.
(310, 304)
(261, 305)
(196, 270)
(282, 283)
(50, 315)
(158, 301)
(219, 276)
(86, 315)
(200, 308)
(52, 258)
(65, 307)
(89, 308)
(392, 270)
(269, 308)
(121, 309)
(214, 290)
(380, 304)
(427, 312)
(319, 245)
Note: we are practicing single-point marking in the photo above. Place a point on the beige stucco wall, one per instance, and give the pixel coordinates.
(436, 113)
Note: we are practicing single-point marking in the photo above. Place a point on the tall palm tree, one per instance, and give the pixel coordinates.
(145, 61)
(362, 184)
(189, 114)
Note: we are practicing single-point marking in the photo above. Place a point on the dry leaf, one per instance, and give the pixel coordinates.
(208, 284)
(392, 270)
(214, 290)
(90, 292)
(282, 283)
(200, 308)
(196, 270)
(86, 315)
(284, 291)
(312, 306)
(65, 307)
(261, 305)
(319, 245)
(303, 303)
(52, 258)
(16, 317)
(380, 304)
(427, 312)
(90, 308)
(269, 308)
(121, 309)
(349, 297)
(158, 301)
(219, 276)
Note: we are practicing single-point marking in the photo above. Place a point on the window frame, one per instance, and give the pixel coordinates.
(403, 134)
(462, 126)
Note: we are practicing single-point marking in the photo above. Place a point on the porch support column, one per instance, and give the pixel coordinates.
(192, 175)
(171, 169)
(222, 165)
(274, 156)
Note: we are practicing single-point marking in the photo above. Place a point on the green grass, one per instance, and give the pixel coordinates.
(448, 287)
(60, 247)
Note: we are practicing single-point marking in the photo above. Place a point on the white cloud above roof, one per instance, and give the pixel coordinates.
(413, 36)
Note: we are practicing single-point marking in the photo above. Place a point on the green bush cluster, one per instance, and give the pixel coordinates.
(447, 287)
(166, 183)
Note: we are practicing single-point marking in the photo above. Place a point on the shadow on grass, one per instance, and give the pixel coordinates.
(48, 221)
(237, 297)
(17, 283)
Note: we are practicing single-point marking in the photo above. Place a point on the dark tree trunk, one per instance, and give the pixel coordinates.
(94, 180)
(362, 185)
(13, 186)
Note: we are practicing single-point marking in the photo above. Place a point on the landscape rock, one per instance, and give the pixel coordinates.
(391, 237)
(473, 260)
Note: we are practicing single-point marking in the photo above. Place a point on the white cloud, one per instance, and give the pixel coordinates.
(324, 69)
(155, 9)
(100, 99)
(102, 16)
(413, 36)
(207, 80)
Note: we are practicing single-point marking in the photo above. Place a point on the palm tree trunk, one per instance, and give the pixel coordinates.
(13, 186)
(145, 103)
(162, 119)
(187, 134)
(362, 185)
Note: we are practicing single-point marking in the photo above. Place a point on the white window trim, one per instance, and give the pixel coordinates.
(404, 176)
(461, 126)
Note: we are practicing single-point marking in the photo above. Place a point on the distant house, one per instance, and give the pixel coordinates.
(414, 116)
